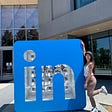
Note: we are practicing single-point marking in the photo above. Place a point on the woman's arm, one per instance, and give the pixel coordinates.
(83, 46)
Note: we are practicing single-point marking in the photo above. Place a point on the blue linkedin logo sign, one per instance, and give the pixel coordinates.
(48, 76)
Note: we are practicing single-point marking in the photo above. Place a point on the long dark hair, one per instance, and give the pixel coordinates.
(91, 55)
(91, 59)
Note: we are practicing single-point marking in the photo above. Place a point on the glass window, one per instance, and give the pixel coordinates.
(0, 19)
(0, 38)
(19, 16)
(0, 26)
(7, 38)
(13, 21)
(32, 16)
(6, 17)
(81, 3)
(85, 2)
(22, 20)
(101, 50)
(111, 52)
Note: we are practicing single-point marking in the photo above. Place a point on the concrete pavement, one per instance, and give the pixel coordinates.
(7, 102)
(6, 93)
(99, 106)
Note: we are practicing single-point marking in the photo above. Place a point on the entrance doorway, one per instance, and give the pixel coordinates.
(6, 65)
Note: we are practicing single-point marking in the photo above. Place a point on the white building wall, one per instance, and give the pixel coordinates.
(91, 14)
(45, 12)
(52, 9)
(60, 7)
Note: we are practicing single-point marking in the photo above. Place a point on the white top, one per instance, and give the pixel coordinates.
(86, 70)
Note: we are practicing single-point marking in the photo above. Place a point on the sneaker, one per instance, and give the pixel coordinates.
(104, 90)
(94, 110)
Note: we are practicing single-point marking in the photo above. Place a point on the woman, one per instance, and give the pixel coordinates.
(90, 80)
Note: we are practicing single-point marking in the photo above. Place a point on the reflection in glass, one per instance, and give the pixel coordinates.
(111, 52)
(85, 2)
(0, 40)
(102, 56)
(20, 34)
(0, 20)
(22, 20)
(0, 34)
(6, 17)
(47, 81)
(32, 34)
(7, 38)
(32, 16)
(19, 16)
(30, 83)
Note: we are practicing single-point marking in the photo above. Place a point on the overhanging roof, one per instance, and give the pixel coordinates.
(90, 19)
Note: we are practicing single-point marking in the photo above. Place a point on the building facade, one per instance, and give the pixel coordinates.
(18, 21)
(89, 20)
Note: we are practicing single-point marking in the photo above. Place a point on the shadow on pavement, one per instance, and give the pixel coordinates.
(10, 108)
(7, 108)
(6, 81)
(78, 111)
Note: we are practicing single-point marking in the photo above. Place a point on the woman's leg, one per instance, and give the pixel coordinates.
(101, 90)
(91, 91)
(91, 97)
(92, 100)
(95, 92)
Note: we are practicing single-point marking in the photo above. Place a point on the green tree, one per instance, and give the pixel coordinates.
(104, 57)
(32, 34)
(21, 34)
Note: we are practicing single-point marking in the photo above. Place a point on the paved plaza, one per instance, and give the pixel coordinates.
(7, 97)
